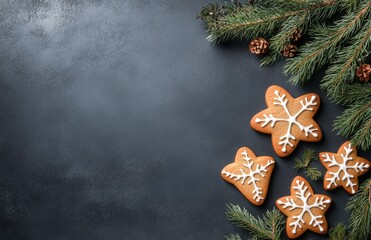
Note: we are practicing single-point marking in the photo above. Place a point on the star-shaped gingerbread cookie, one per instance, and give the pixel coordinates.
(304, 209)
(250, 174)
(288, 119)
(343, 168)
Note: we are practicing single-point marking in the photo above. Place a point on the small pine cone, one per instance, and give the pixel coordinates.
(289, 51)
(259, 46)
(296, 35)
(364, 72)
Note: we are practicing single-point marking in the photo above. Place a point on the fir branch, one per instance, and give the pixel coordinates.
(327, 42)
(233, 237)
(360, 207)
(356, 122)
(304, 163)
(343, 69)
(313, 173)
(349, 5)
(339, 232)
(354, 93)
(362, 138)
(264, 19)
(270, 227)
(307, 156)
(274, 222)
(243, 219)
(282, 38)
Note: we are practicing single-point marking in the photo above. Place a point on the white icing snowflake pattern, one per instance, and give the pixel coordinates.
(250, 175)
(302, 195)
(343, 168)
(291, 119)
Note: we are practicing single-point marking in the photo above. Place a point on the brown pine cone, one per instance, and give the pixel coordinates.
(259, 46)
(289, 51)
(296, 35)
(363, 72)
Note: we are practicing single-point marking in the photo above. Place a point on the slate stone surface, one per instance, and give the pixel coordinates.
(116, 118)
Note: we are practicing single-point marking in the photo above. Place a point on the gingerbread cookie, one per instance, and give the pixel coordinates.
(343, 168)
(304, 209)
(288, 119)
(250, 174)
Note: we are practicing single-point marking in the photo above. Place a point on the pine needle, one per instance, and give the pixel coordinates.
(268, 227)
(339, 232)
(233, 237)
(262, 18)
(313, 173)
(304, 163)
(356, 122)
(307, 156)
(360, 208)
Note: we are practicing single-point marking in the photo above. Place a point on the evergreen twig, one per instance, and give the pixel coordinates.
(354, 93)
(313, 173)
(360, 208)
(326, 44)
(233, 237)
(279, 41)
(343, 68)
(339, 232)
(307, 156)
(356, 122)
(264, 17)
(304, 163)
(268, 227)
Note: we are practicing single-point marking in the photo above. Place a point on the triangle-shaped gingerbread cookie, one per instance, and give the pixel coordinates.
(250, 174)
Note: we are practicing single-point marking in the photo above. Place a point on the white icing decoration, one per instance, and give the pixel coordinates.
(343, 167)
(260, 170)
(319, 202)
(291, 119)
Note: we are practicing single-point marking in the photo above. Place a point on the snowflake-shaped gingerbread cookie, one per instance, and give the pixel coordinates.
(288, 119)
(250, 174)
(343, 168)
(304, 209)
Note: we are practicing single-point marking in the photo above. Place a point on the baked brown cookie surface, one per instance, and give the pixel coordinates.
(250, 174)
(304, 209)
(289, 120)
(343, 168)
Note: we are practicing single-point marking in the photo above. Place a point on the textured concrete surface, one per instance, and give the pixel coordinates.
(117, 116)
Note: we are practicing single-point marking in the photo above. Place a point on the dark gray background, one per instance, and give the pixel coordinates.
(117, 117)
